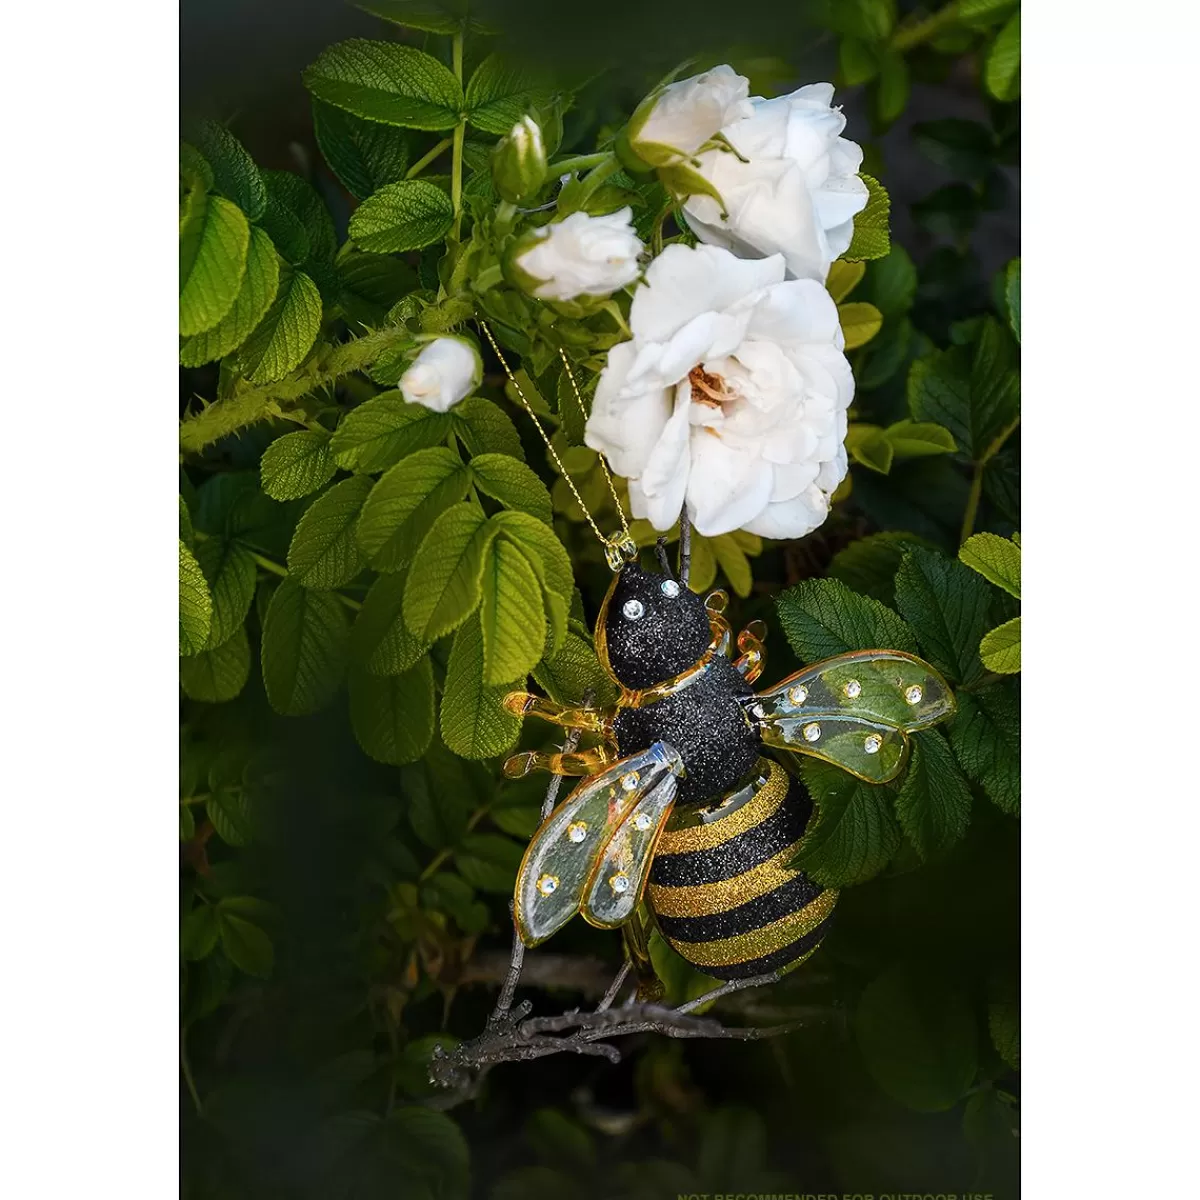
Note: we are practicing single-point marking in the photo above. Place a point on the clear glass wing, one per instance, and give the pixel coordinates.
(564, 853)
(855, 710)
(619, 878)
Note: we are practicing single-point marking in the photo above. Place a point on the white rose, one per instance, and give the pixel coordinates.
(682, 116)
(580, 255)
(731, 396)
(798, 193)
(445, 372)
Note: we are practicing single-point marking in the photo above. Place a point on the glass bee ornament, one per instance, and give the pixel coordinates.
(679, 806)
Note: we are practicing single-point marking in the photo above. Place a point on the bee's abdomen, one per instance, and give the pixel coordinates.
(722, 893)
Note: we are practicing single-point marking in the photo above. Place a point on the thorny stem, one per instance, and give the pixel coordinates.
(972, 508)
(253, 404)
(426, 159)
(685, 546)
(459, 133)
(914, 35)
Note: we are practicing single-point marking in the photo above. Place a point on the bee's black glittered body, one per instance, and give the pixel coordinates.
(679, 805)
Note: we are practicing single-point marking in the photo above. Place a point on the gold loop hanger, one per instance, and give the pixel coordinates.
(618, 549)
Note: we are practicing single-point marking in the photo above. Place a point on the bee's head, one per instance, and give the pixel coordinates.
(650, 628)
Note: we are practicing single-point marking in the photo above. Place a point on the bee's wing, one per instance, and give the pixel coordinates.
(855, 710)
(566, 851)
(619, 877)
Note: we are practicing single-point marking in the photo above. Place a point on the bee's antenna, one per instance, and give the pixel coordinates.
(660, 548)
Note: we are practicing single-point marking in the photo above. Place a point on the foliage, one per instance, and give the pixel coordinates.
(362, 580)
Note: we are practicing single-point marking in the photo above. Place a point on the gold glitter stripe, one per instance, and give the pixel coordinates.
(706, 899)
(756, 810)
(758, 943)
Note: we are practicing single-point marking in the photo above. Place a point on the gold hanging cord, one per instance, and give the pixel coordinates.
(618, 549)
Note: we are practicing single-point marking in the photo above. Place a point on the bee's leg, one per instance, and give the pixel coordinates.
(584, 762)
(650, 989)
(753, 658)
(590, 720)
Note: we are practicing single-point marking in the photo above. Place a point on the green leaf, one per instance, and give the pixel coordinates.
(297, 464)
(194, 171)
(822, 617)
(981, 13)
(445, 583)
(286, 334)
(857, 62)
(488, 861)
(362, 154)
(259, 287)
(512, 483)
(245, 944)
(370, 284)
(891, 283)
(843, 278)
(511, 616)
(860, 323)
(867, 444)
(1012, 295)
(934, 802)
(214, 240)
(220, 674)
(853, 834)
(427, 15)
(486, 428)
(541, 546)
(869, 565)
(1000, 648)
(402, 216)
(406, 501)
(500, 93)
(324, 552)
(304, 646)
(893, 86)
(393, 715)
(918, 439)
(228, 809)
(996, 558)
(1002, 70)
(300, 198)
(986, 738)
(380, 640)
(234, 172)
(388, 83)
(732, 560)
(947, 607)
(871, 238)
(384, 430)
(473, 720)
(231, 573)
(566, 675)
(918, 1038)
(195, 604)
(964, 148)
(198, 932)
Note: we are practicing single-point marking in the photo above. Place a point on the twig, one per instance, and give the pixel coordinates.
(615, 986)
(685, 547)
(660, 548)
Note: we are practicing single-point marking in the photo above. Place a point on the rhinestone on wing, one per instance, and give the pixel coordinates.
(812, 732)
(798, 694)
(547, 885)
(872, 743)
(619, 883)
(577, 832)
(853, 689)
(914, 694)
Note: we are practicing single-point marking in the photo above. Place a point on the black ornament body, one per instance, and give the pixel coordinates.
(654, 629)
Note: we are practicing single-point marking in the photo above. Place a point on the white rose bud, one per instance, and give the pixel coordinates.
(580, 255)
(446, 371)
(730, 399)
(519, 162)
(798, 193)
(675, 121)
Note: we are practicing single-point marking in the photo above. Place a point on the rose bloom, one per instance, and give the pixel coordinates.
(731, 397)
(798, 193)
(580, 255)
(446, 371)
(684, 115)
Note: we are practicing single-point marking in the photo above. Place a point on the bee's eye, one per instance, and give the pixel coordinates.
(632, 609)
(670, 588)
